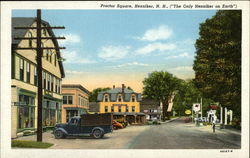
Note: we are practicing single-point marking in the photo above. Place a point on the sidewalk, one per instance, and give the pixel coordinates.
(169, 120)
(218, 129)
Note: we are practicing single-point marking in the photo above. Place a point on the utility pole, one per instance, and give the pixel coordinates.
(201, 107)
(39, 52)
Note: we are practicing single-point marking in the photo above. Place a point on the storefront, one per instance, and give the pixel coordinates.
(51, 111)
(74, 111)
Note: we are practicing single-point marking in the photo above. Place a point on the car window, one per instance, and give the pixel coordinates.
(73, 121)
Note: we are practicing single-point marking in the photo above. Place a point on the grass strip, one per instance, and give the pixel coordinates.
(29, 144)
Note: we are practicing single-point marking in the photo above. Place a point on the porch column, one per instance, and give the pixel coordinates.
(135, 119)
(221, 115)
(231, 117)
(225, 116)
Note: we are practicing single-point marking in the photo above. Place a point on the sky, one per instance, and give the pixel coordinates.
(115, 47)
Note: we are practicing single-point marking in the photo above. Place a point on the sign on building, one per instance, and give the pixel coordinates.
(196, 107)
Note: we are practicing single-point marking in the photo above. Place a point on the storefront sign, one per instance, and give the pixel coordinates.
(196, 107)
(188, 112)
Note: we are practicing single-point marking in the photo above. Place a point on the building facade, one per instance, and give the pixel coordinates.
(151, 108)
(75, 101)
(123, 103)
(24, 78)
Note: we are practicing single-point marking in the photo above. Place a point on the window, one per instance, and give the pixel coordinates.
(55, 59)
(106, 98)
(56, 89)
(44, 80)
(28, 72)
(21, 73)
(47, 54)
(106, 108)
(48, 85)
(126, 109)
(133, 109)
(133, 98)
(120, 109)
(50, 56)
(119, 98)
(44, 32)
(35, 76)
(59, 85)
(70, 99)
(30, 40)
(79, 100)
(67, 99)
(112, 109)
(52, 83)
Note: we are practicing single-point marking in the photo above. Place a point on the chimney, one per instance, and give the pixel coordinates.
(123, 86)
(113, 86)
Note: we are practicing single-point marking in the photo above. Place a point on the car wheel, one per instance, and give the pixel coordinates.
(97, 133)
(58, 134)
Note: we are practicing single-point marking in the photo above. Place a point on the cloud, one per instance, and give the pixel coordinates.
(131, 64)
(111, 53)
(183, 55)
(73, 58)
(155, 47)
(163, 32)
(182, 68)
(70, 39)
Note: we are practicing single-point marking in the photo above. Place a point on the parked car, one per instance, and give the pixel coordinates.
(95, 125)
(116, 125)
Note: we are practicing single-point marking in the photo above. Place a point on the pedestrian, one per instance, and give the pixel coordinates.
(213, 125)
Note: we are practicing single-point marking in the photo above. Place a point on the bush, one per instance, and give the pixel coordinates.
(29, 144)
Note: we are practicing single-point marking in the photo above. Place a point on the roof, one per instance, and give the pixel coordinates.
(147, 104)
(118, 90)
(76, 86)
(27, 22)
(115, 91)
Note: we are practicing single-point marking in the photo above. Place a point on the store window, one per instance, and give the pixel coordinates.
(26, 112)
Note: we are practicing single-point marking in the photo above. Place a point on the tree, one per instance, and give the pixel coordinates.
(188, 94)
(217, 64)
(161, 86)
(94, 93)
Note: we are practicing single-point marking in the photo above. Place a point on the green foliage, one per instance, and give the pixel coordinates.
(188, 94)
(217, 64)
(161, 86)
(29, 144)
(94, 93)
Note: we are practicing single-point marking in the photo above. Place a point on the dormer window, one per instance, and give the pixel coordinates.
(106, 98)
(133, 98)
(119, 98)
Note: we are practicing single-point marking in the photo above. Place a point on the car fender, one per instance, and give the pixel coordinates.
(61, 129)
(98, 128)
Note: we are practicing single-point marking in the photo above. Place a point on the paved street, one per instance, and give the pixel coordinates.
(171, 135)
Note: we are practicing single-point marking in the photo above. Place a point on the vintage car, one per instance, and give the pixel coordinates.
(95, 125)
